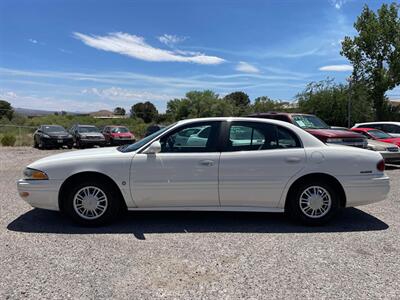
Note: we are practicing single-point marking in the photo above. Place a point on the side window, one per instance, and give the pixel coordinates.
(251, 136)
(286, 138)
(391, 128)
(193, 138)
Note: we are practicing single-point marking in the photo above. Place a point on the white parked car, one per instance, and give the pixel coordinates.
(247, 164)
(393, 128)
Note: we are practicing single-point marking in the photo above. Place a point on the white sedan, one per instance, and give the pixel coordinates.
(246, 164)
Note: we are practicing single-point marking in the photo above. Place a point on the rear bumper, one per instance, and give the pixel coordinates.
(391, 157)
(40, 193)
(362, 190)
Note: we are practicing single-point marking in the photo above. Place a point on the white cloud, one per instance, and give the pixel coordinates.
(135, 46)
(337, 68)
(33, 41)
(171, 39)
(117, 93)
(338, 3)
(246, 68)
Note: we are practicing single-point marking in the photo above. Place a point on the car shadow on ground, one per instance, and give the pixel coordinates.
(141, 223)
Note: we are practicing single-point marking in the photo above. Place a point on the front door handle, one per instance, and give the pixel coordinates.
(293, 159)
(207, 162)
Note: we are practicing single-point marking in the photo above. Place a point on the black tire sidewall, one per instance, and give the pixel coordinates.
(294, 210)
(113, 206)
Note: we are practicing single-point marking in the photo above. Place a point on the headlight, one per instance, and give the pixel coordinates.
(32, 174)
(46, 136)
(334, 140)
(69, 136)
(83, 136)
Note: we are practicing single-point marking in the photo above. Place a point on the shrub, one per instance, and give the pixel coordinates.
(8, 140)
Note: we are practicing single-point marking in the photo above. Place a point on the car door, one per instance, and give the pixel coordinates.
(181, 175)
(257, 162)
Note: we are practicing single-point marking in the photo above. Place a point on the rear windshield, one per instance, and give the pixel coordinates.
(309, 122)
(53, 129)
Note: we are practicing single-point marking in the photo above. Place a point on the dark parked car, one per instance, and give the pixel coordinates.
(87, 136)
(153, 128)
(52, 136)
(118, 135)
(318, 128)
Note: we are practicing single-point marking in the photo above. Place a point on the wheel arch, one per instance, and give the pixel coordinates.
(85, 175)
(317, 176)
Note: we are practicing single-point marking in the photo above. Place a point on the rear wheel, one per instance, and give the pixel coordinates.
(92, 203)
(313, 203)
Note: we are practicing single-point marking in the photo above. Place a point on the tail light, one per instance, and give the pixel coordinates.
(381, 165)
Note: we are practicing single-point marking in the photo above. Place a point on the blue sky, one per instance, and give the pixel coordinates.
(90, 55)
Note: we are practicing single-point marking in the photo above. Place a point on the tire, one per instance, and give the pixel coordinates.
(35, 144)
(40, 145)
(78, 144)
(313, 203)
(106, 203)
(69, 146)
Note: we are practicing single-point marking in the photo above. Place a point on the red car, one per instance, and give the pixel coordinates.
(317, 128)
(118, 135)
(377, 134)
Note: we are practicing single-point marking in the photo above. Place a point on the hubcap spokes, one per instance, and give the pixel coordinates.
(90, 202)
(315, 202)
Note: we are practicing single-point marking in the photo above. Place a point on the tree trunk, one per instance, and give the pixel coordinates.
(378, 97)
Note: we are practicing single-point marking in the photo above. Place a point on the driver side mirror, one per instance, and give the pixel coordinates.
(154, 148)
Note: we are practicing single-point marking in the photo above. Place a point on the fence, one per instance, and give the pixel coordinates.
(23, 134)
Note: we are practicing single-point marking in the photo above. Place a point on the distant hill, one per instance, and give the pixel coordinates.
(37, 112)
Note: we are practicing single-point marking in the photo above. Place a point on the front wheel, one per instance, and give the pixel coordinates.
(313, 203)
(92, 203)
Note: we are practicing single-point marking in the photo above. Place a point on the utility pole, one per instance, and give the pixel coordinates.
(350, 80)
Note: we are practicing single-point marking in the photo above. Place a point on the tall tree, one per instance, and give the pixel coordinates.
(265, 104)
(6, 110)
(240, 100)
(119, 111)
(145, 111)
(375, 52)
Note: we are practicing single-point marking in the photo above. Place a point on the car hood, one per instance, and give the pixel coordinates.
(125, 134)
(334, 133)
(79, 155)
(391, 140)
(379, 146)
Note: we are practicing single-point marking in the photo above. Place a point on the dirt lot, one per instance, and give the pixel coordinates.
(194, 255)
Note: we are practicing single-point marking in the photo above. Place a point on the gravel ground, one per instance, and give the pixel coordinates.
(194, 255)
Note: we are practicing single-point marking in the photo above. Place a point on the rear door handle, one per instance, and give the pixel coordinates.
(293, 159)
(207, 162)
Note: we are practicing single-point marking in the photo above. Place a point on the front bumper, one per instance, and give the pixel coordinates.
(362, 190)
(54, 142)
(121, 141)
(92, 142)
(40, 193)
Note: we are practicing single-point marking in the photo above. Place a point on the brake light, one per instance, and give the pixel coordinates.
(381, 165)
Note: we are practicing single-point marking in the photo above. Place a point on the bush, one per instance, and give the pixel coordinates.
(8, 140)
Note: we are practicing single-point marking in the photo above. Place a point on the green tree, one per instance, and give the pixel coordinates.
(329, 101)
(6, 110)
(119, 111)
(240, 101)
(375, 53)
(198, 104)
(265, 104)
(145, 111)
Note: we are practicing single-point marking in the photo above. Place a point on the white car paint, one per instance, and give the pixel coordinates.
(228, 181)
(393, 131)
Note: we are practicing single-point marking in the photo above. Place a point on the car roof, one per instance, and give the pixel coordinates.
(271, 113)
(378, 122)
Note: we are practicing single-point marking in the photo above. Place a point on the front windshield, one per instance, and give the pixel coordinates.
(309, 122)
(84, 129)
(119, 130)
(379, 134)
(144, 141)
(53, 129)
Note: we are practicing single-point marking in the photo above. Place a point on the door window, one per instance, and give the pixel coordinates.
(191, 138)
(251, 136)
(391, 128)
